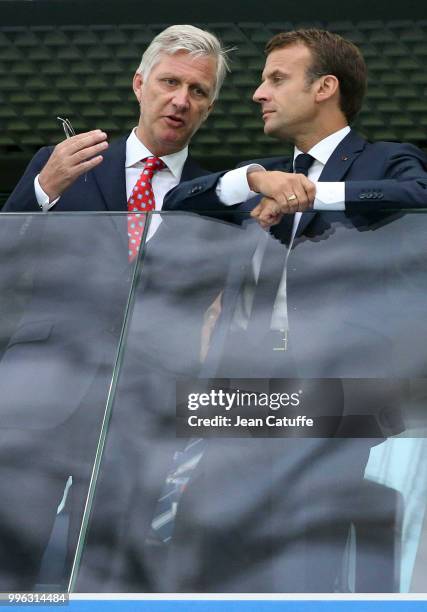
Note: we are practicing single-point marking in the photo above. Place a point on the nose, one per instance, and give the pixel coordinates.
(260, 94)
(181, 99)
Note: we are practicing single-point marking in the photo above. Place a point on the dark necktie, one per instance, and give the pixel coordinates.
(273, 264)
(302, 163)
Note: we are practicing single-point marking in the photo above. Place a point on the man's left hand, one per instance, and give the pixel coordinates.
(267, 213)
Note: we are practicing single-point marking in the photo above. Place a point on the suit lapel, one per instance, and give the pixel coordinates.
(336, 168)
(110, 176)
(342, 158)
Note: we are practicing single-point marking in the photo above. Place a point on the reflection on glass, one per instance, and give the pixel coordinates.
(65, 282)
(264, 512)
(97, 349)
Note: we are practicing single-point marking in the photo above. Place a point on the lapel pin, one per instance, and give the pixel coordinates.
(344, 158)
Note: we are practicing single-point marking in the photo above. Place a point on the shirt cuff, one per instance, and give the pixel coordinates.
(233, 186)
(42, 197)
(329, 196)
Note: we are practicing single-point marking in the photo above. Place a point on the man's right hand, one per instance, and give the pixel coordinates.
(70, 159)
(291, 192)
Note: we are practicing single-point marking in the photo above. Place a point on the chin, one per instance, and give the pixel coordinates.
(173, 146)
(270, 130)
(172, 143)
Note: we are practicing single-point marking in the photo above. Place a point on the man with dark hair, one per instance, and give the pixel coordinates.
(312, 87)
(330, 54)
(301, 309)
(306, 99)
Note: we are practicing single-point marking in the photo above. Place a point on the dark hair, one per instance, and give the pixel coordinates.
(331, 54)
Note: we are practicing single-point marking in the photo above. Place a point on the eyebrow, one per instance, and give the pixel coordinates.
(201, 86)
(277, 72)
(167, 75)
(271, 75)
(171, 75)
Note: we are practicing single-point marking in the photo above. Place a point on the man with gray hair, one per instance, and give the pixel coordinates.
(176, 84)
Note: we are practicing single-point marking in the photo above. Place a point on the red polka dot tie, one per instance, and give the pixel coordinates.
(141, 200)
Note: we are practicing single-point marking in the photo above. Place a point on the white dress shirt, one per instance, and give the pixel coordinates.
(329, 196)
(162, 182)
(233, 186)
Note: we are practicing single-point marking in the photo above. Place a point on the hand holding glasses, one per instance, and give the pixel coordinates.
(69, 131)
(71, 158)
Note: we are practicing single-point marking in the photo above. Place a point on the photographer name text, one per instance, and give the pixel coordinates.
(220, 421)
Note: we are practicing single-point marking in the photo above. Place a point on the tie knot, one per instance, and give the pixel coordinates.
(153, 164)
(303, 162)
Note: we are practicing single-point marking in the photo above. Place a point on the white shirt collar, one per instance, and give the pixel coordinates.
(324, 149)
(136, 150)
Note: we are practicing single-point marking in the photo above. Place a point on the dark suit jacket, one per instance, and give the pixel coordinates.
(65, 345)
(381, 181)
(80, 285)
(57, 367)
(378, 176)
(230, 530)
(103, 190)
(273, 515)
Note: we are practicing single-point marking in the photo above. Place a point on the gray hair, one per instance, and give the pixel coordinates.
(188, 38)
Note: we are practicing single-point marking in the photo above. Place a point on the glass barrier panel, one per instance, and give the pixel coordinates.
(65, 280)
(267, 431)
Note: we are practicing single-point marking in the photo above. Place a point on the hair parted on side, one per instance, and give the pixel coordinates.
(187, 38)
(331, 54)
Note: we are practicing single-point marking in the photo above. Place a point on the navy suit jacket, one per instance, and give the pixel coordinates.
(381, 180)
(378, 176)
(103, 190)
(81, 280)
(281, 508)
(70, 280)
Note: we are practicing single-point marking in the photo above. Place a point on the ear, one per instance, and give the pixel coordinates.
(328, 86)
(137, 85)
